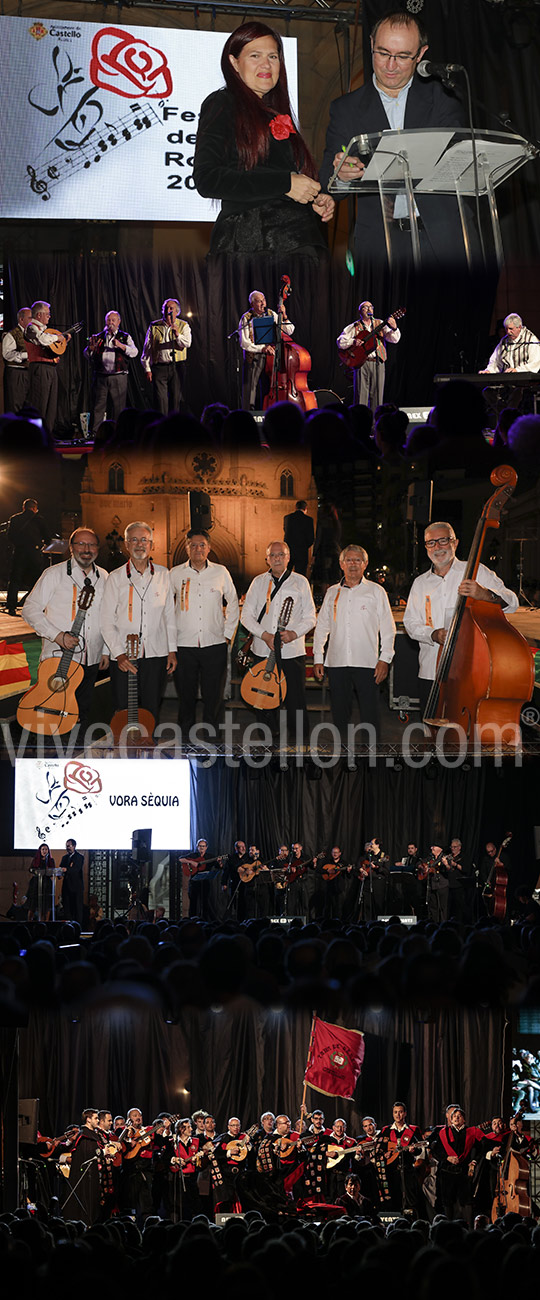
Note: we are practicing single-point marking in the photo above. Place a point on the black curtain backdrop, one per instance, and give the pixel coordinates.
(270, 807)
(349, 807)
(244, 1060)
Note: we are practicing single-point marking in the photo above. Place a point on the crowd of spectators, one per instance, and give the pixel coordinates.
(40, 1253)
(320, 964)
(461, 431)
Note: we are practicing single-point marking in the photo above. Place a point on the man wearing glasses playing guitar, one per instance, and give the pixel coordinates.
(53, 608)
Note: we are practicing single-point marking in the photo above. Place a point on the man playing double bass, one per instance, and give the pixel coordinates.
(434, 594)
(251, 330)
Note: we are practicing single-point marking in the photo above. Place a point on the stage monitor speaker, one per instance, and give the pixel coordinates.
(419, 499)
(141, 846)
(28, 1119)
(220, 1219)
(200, 511)
(409, 919)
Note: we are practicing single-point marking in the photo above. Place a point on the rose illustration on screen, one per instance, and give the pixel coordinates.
(81, 778)
(128, 66)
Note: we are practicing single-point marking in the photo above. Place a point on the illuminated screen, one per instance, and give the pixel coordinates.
(526, 1065)
(101, 802)
(99, 121)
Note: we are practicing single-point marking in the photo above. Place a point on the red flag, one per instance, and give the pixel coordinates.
(335, 1059)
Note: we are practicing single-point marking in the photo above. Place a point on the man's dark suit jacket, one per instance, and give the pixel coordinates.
(299, 534)
(362, 111)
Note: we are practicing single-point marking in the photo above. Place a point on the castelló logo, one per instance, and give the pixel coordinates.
(38, 31)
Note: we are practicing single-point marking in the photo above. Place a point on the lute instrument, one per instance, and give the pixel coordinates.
(59, 344)
(50, 707)
(264, 687)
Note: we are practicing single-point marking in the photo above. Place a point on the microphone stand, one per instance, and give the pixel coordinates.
(235, 334)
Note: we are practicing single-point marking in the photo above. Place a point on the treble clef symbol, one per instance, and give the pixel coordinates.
(37, 187)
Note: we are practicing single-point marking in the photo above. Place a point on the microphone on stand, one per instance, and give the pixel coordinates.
(428, 69)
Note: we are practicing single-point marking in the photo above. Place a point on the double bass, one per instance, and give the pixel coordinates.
(289, 366)
(495, 896)
(485, 670)
(512, 1195)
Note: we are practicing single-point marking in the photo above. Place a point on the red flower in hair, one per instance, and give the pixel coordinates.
(282, 127)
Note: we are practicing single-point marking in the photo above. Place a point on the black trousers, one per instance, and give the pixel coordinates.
(43, 391)
(84, 693)
(16, 384)
(207, 666)
(151, 677)
(167, 385)
(344, 684)
(26, 568)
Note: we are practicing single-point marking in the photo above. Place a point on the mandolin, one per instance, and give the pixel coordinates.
(365, 343)
(50, 706)
(133, 727)
(264, 687)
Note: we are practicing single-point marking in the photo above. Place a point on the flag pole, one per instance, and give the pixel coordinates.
(311, 1037)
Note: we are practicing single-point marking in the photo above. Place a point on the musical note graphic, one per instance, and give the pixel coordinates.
(125, 128)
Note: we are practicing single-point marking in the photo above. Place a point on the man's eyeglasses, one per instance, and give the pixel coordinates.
(403, 59)
(437, 541)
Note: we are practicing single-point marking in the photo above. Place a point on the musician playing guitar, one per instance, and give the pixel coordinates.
(51, 610)
(255, 886)
(396, 1139)
(261, 615)
(369, 376)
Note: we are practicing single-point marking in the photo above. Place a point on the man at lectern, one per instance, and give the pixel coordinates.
(396, 99)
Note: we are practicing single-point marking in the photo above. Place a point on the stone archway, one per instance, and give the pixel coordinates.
(224, 549)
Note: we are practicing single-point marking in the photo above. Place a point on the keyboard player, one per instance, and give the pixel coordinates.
(518, 350)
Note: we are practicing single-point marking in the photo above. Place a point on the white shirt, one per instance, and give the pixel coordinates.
(110, 353)
(199, 599)
(247, 341)
(431, 604)
(51, 608)
(142, 604)
(358, 624)
(521, 353)
(348, 335)
(302, 618)
(37, 332)
(11, 353)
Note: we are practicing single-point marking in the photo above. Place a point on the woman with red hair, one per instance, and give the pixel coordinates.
(39, 896)
(250, 154)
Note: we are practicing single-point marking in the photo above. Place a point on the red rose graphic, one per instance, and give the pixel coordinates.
(128, 66)
(282, 127)
(81, 778)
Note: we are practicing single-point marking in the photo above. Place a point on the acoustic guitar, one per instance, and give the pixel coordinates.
(50, 706)
(249, 870)
(365, 343)
(59, 344)
(263, 686)
(133, 727)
